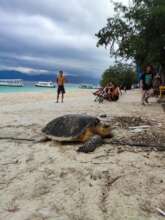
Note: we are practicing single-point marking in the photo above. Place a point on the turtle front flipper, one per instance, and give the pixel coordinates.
(91, 145)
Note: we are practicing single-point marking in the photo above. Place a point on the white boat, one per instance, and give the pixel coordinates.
(45, 84)
(86, 87)
(11, 82)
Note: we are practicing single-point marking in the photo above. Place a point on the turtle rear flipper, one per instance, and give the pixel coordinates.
(91, 145)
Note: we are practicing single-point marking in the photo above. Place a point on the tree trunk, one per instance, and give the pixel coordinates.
(162, 74)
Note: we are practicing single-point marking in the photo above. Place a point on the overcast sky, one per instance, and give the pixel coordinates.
(47, 35)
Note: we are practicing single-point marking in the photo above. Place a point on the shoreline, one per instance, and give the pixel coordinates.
(32, 89)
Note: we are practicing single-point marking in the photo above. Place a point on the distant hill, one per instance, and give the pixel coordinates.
(45, 77)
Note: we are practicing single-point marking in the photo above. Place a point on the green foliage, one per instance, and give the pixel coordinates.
(120, 75)
(136, 32)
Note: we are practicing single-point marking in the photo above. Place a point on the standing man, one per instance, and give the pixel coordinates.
(146, 83)
(60, 86)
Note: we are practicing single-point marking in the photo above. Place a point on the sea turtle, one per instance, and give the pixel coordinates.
(78, 128)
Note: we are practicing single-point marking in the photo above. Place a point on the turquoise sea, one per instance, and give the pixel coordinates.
(31, 88)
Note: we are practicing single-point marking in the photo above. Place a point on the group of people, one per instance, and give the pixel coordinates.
(110, 92)
(149, 84)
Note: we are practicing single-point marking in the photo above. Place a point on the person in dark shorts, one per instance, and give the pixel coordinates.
(146, 83)
(60, 86)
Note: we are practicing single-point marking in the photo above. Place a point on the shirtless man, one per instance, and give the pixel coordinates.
(60, 86)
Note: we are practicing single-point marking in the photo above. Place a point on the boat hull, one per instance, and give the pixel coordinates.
(12, 85)
(11, 82)
(44, 86)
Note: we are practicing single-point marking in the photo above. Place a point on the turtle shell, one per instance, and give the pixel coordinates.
(69, 127)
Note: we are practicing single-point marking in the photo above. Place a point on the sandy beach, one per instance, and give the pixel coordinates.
(51, 181)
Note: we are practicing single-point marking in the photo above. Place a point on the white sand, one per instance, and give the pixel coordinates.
(49, 181)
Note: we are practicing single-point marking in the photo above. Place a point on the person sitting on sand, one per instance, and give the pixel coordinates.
(115, 93)
(98, 92)
(101, 94)
(107, 91)
(110, 92)
(60, 85)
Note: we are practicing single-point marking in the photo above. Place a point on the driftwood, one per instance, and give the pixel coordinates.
(17, 139)
(161, 212)
(156, 146)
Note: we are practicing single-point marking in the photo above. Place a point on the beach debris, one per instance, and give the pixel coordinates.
(131, 143)
(108, 183)
(103, 116)
(78, 128)
(138, 128)
(13, 210)
(17, 139)
(10, 163)
(12, 207)
(126, 122)
(142, 127)
(161, 211)
(163, 106)
(120, 150)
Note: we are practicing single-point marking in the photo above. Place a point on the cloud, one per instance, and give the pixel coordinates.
(47, 35)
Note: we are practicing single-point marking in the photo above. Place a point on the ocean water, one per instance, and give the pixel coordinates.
(31, 88)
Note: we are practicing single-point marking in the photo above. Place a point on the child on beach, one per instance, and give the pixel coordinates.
(60, 86)
(156, 85)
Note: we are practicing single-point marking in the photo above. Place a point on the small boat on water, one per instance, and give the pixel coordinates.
(11, 82)
(86, 87)
(45, 84)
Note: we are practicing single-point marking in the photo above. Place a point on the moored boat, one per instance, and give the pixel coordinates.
(11, 82)
(86, 86)
(45, 84)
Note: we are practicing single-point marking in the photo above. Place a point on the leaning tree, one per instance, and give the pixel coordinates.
(137, 32)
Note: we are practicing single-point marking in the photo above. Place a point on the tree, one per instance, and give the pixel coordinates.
(119, 74)
(137, 32)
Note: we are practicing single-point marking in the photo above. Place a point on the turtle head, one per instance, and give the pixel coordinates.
(103, 129)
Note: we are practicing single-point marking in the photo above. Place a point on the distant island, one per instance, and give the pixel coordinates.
(6, 74)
